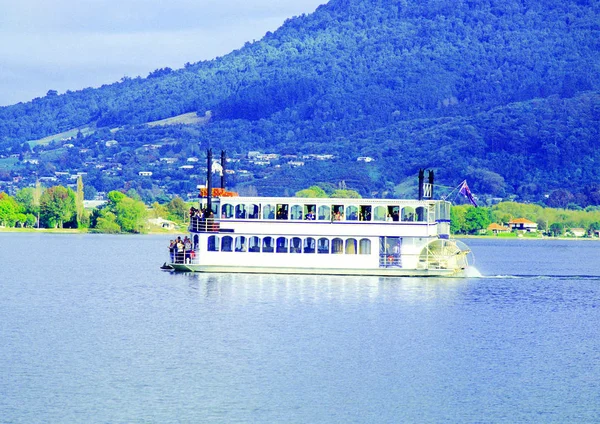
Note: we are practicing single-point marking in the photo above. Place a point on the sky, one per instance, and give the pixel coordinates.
(73, 44)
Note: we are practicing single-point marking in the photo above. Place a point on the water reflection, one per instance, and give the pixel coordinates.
(321, 288)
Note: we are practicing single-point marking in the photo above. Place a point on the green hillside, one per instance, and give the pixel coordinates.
(505, 93)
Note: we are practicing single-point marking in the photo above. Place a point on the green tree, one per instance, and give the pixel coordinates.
(131, 215)
(26, 197)
(79, 202)
(178, 209)
(127, 214)
(476, 219)
(313, 191)
(593, 228)
(556, 229)
(159, 211)
(346, 194)
(57, 206)
(457, 219)
(106, 222)
(9, 210)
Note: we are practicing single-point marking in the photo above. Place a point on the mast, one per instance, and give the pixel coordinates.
(223, 169)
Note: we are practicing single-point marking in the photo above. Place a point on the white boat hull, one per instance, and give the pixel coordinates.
(386, 272)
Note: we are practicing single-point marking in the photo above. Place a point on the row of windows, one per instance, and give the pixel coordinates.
(349, 246)
(284, 211)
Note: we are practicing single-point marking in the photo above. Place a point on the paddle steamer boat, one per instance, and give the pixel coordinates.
(294, 235)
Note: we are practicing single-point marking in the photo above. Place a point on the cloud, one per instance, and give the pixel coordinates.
(68, 44)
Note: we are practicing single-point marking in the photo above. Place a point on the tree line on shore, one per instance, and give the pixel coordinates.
(63, 207)
(125, 212)
(467, 219)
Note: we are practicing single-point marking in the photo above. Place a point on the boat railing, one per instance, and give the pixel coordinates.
(390, 260)
(203, 225)
(185, 256)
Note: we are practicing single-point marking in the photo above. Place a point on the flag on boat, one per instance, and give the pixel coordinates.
(464, 190)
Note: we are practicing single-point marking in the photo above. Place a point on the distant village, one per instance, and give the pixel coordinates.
(152, 166)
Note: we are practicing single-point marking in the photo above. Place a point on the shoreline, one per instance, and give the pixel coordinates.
(174, 232)
(80, 231)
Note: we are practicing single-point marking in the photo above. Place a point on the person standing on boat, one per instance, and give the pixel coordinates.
(187, 245)
(172, 246)
(179, 246)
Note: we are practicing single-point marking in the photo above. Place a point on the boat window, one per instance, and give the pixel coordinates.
(421, 214)
(337, 246)
(240, 244)
(380, 213)
(282, 211)
(253, 211)
(442, 211)
(240, 212)
(227, 244)
(227, 211)
(364, 247)
(351, 213)
(296, 212)
(296, 245)
(394, 213)
(365, 213)
(196, 242)
(254, 244)
(268, 212)
(324, 213)
(323, 245)
(350, 246)
(282, 245)
(338, 212)
(309, 245)
(408, 214)
(268, 245)
(310, 212)
(213, 244)
(392, 245)
(214, 208)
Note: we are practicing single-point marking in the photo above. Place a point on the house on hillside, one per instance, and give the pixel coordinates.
(163, 223)
(522, 224)
(577, 232)
(497, 228)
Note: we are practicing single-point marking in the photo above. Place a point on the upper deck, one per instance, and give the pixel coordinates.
(238, 212)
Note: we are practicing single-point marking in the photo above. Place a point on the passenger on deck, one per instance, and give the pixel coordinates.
(281, 214)
(172, 247)
(179, 247)
(187, 245)
(310, 216)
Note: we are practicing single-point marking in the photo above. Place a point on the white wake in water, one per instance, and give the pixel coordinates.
(472, 272)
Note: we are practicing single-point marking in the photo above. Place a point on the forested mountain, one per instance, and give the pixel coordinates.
(505, 93)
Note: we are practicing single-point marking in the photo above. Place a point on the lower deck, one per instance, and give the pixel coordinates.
(377, 255)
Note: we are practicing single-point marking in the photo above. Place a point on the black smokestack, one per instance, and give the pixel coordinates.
(431, 182)
(209, 181)
(421, 179)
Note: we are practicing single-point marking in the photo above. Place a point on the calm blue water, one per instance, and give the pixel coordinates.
(92, 331)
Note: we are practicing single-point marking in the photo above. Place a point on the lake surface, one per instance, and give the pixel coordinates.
(92, 331)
